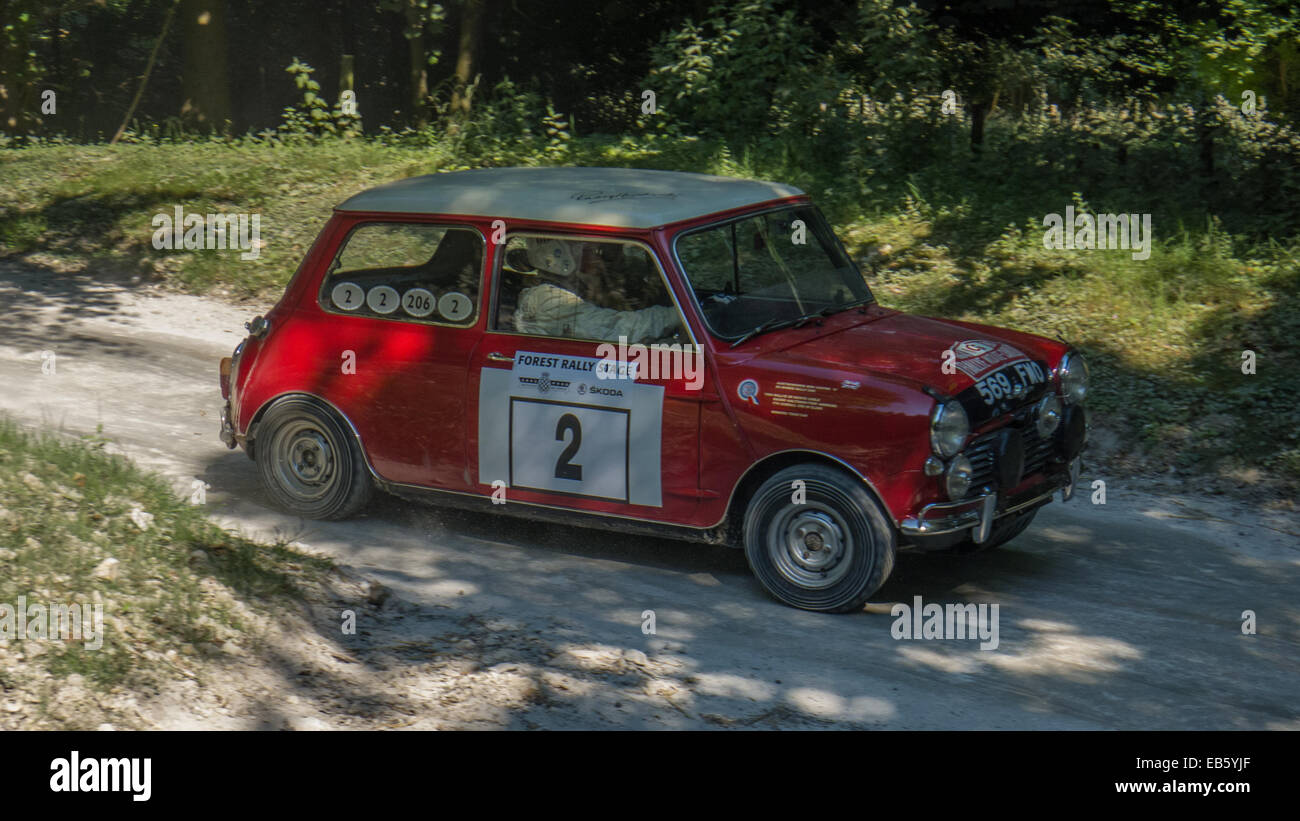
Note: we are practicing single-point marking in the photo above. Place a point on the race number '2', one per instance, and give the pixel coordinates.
(563, 468)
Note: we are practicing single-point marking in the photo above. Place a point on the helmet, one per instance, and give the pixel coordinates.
(554, 256)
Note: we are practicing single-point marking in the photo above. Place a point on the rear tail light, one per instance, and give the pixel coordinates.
(225, 377)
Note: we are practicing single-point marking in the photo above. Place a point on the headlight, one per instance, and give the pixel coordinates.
(1048, 415)
(1073, 371)
(948, 429)
(957, 481)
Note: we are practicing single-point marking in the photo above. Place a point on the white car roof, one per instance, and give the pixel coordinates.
(619, 197)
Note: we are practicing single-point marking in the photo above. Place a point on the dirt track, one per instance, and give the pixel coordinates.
(1125, 615)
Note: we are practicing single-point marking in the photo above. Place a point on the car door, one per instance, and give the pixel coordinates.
(572, 412)
(403, 305)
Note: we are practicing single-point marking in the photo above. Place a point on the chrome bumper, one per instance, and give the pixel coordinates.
(978, 513)
(227, 430)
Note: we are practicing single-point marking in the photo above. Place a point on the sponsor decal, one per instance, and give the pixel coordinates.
(608, 196)
(979, 357)
(545, 384)
(748, 391)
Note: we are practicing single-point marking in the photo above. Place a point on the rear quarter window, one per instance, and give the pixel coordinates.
(408, 271)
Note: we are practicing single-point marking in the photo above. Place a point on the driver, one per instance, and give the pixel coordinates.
(554, 308)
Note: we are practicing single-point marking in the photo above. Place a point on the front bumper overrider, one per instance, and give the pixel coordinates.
(978, 514)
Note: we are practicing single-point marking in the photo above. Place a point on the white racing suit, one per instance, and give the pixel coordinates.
(549, 310)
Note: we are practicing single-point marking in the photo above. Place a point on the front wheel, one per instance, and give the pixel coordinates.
(308, 462)
(817, 539)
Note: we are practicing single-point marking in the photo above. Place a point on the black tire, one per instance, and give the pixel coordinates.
(840, 518)
(1004, 530)
(309, 462)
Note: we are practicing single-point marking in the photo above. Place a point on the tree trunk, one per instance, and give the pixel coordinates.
(1205, 138)
(144, 78)
(419, 59)
(978, 111)
(205, 82)
(471, 32)
(347, 73)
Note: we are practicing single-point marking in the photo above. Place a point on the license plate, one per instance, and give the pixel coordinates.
(1011, 382)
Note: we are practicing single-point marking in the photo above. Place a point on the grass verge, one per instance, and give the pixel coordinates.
(79, 526)
(1166, 336)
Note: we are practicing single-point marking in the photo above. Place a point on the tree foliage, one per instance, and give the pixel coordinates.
(864, 96)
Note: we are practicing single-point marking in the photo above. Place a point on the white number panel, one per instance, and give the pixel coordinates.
(569, 448)
(551, 424)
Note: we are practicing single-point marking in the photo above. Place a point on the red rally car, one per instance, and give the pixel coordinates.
(647, 351)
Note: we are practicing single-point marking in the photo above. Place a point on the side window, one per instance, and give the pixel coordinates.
(410, 271)
(583, 289)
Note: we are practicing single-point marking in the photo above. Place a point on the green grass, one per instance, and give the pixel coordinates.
(99, 201)
(1165, 335)
(65, 507)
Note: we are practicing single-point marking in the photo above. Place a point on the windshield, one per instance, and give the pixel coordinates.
(768, 269)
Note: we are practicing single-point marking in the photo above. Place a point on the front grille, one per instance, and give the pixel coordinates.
(983, 460)
(982, 452)
(1038, 451)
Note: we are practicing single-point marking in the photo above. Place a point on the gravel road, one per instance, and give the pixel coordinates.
(1126, 615)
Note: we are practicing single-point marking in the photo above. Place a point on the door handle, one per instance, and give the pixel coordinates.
(499, 357)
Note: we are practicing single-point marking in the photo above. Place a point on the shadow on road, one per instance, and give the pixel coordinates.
(1100, 626)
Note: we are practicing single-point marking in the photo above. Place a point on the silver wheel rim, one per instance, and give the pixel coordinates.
(810, 545)
(304, 466)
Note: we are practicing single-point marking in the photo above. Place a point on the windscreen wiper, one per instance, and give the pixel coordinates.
(766, 325)
(774, 323)
(806, 318)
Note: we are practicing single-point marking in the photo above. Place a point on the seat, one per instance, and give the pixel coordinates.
(447, 268)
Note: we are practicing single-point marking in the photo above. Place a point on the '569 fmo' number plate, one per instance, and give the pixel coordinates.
(1011, 382)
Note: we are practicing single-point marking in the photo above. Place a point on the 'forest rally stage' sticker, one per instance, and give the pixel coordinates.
(551, 424)
(977, 357)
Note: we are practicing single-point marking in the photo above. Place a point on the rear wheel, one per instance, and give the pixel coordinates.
(309, 463)
(823, 545)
